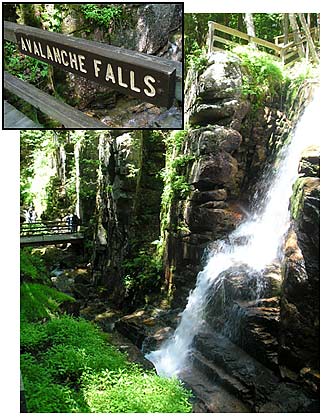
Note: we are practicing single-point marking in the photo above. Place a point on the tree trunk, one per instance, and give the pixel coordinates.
(285, 28)
(296, 31)
(306, 29)
(77, 149)
(240, 22)
(248, 19)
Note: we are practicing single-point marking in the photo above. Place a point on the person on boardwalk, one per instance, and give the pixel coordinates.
(69, 220)
(31, 215)
(75, 222)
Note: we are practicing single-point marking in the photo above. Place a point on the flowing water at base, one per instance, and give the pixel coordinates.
(255, 244)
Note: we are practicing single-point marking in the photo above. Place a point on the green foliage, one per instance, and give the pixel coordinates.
(101, 15)
(134, 391)
(197, 58)
(297, 198)
(300, 73)
(24, 67)
(43, 394)
(32, 266)
(175, 184)
(57, 202)
(175, 140)
(262, 76)
(68, 367)
(33, 337)
(52, 18)
(39, 301)
(143, 272)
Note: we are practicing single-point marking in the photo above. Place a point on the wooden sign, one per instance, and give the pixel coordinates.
(132, 73)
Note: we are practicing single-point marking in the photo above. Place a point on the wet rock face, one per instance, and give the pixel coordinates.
(148, 328)
(229, 369)
(299, 335)
(244, 306)
(210, 212)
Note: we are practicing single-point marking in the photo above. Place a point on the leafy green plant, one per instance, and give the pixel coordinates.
(32, 267)
(39, 301)
(24, 67)
(134, 391)
(197, 59)
(101, 15)
(77, 371)
(43, 395)
(33, 336)
(143, 272)
(262, 74)
(297, 75)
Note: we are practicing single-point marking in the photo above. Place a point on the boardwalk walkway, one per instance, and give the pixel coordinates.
(44, 240)
(14, 119)
(49, 233)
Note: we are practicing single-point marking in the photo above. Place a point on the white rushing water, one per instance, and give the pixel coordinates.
(262, 236)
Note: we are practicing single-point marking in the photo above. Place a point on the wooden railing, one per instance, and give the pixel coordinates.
(287, 53)
(47, 228)
(149, 78)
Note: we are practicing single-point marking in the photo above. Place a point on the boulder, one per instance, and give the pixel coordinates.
(201, 197)
(299, 334)
(243, 304)
(257, 386)
(222, 79)
(212, 139)
(147, 327)
(210, 171)
(310, 162)
(212, 113)
(220, 220)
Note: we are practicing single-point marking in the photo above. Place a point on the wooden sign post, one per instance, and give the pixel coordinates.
(139, 75)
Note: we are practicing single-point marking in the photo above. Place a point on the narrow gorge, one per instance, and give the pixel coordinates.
(199, 254)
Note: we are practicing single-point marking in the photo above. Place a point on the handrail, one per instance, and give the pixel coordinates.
(51, 106)
(47, 228)
(286, 53)
(169, 71)
(244, 36)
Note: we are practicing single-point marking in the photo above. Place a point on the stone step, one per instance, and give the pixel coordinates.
(210, 397)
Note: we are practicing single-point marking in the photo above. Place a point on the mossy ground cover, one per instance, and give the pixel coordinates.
(68, 365)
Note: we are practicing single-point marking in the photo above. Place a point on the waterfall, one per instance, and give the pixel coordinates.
(255, 243)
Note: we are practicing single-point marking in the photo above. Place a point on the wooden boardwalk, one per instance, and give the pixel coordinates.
(14, 119)
(49, 233)
(43, 240)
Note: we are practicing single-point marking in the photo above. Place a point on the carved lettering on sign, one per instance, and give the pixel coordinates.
(133, 78)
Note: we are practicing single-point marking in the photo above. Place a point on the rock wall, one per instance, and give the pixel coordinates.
(227, 145)
(128, 204)
(300, 301)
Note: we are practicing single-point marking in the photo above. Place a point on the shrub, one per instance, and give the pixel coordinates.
(32, 337)
(43, 395)
(77, 371)
(262, 75)
(24, 67)
(134, 391)
(101, 15)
